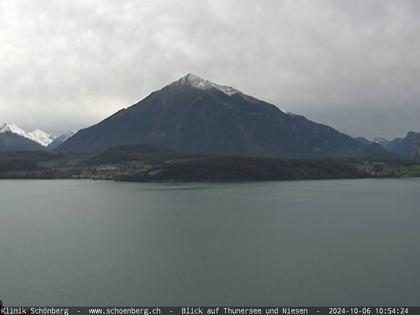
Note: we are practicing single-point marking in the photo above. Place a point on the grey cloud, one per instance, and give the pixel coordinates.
(352, 64)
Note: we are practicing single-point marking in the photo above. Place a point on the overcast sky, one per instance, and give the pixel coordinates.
(352, 64)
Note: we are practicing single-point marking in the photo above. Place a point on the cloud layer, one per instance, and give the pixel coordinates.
(352, 64)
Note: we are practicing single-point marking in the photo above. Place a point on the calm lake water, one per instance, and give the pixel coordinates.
(273, 243)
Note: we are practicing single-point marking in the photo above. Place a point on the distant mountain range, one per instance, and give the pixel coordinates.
(196, 116)
(61, 139)
(39, 136)
(14, 138)
(407, 147)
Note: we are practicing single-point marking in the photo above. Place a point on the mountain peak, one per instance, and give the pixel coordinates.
(195, 81)
(192, 78)
(12, 128)
(412, 134)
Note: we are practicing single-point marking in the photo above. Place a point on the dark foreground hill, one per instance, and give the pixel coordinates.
(195, 116)
(247, 169)
(147, 163)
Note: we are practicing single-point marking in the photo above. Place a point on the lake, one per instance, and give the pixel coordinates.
(271, 243)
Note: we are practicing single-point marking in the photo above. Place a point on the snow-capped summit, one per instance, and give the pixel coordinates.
(195, 81)
(12, 128)
(42, 137)
(37, 135)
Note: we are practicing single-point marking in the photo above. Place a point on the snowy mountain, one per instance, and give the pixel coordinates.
(61, 139)
(41, 137)
(37, 135)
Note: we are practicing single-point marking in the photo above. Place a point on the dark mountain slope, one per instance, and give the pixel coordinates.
(415, 154)
(13, 142)
(404, 146)
(196, 116)
(245, 169)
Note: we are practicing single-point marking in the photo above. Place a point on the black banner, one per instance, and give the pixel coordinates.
(209, 310)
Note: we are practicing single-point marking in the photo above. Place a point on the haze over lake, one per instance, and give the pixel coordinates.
(269, 243)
